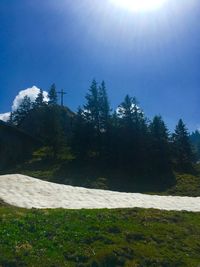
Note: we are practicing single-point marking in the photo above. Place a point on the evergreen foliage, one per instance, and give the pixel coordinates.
(81, 135)
(183, 156)
(39, 101)
(22, 111)
(52, 95)
(91, 108)
(160, 157)
(195, 141)
(104, 108)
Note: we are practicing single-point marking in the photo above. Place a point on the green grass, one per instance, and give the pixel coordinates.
(186, 185)
(107, 238)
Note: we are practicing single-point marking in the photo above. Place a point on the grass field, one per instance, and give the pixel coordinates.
(107, 238)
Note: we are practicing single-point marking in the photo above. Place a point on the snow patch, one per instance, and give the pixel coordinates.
(28, 192)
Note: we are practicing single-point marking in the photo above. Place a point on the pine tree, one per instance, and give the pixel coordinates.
(91, 108)
(104, 122)
(81, 138)
(131, 118)
(114, 145)
(22, 111)
(183, 156)
(159, 142)
(52, 95)
(125, 140)
(91, 116)
(104, 108)
(39, 101)
(159, 130)
(160, 156)
(127, 109)
(195, 141)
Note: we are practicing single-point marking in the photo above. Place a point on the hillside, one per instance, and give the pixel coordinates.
(99, 238)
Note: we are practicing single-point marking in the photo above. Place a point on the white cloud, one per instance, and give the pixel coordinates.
(30, 92)
(5, 116)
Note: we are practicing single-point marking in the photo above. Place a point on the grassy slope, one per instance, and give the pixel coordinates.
(129, 237)
(186, 185)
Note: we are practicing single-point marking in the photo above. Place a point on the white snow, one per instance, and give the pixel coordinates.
(28, 192)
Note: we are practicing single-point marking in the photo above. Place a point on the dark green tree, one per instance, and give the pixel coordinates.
(114, 144)
(195, 141)
(52, 95)
(52, 126)
(104, 123)
(131, 121)
(159, 143)
(91, 116)
(126, 111)
(21, 112)
(104, 108)
(182, 150)
(126, 141)
(160, 155)
(91, 108)
(39, 101)
(81, 135)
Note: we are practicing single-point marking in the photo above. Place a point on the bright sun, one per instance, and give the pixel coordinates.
(139, 5)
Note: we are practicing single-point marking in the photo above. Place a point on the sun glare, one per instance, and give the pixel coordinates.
(139, 5)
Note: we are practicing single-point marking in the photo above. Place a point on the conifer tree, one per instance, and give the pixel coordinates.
(91, 116)
(91, 108)
(104, 122)
(182, 150)
(39, 101)
(195, 141)
(52, 95)
(126, 110)
(160, 156)
(159, 130)
(104, 108)
(114, 145)
(131, 119)
(81, 137)
(159, 141)
(22, 111)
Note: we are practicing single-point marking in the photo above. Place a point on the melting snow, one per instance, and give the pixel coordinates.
(28, 192)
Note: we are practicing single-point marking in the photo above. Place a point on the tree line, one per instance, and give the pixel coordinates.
(124, 138)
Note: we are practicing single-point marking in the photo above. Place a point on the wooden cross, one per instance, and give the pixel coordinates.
(62, 93)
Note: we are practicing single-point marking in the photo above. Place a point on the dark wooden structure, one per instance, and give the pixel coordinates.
(15, 145)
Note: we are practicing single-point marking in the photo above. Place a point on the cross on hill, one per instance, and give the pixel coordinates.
(62, 93)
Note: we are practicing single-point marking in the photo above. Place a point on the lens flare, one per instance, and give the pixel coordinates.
(139, 5)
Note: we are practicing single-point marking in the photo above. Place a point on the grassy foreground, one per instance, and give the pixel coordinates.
(107, 238)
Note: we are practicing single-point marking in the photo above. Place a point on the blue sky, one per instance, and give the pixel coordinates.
(154, 56)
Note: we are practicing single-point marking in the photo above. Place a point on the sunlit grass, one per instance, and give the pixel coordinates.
(129, 237)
